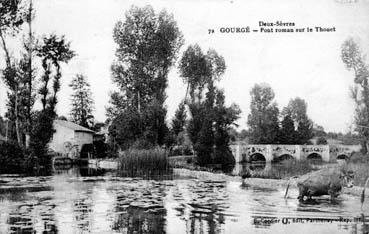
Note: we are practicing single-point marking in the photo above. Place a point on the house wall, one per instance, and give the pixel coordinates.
(60, 136)
(63, 134)
(82, 138)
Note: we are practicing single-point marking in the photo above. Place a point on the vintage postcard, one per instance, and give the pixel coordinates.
(184, 116)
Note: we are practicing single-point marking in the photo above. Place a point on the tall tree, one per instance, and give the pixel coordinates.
(30, 96)
(354, 59)
(53, 51)
(3, 127)
(198, 69)
(179, 120)
(263, 119)
(194, 71)
(297, 110)
(211, 120)
(12, 16)
(287, 133)
(82, 102)
(147, 46)
(305, 131)
(225, 118)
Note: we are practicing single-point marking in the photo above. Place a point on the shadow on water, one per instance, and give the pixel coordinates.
(139, 220)
(91, 172)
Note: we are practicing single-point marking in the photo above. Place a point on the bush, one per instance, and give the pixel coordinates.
(226, 159)
(321, 141)
(101, 149)
(358, 157)
(41, 133)
(144, 163)
(11, 158)
(141, 144)
(181, 150)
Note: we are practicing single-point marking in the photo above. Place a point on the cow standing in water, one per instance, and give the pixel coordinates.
(328, 181)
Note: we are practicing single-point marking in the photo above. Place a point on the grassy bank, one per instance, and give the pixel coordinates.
(361, 171)
(281, 170)
(359, 163)
(144, 163)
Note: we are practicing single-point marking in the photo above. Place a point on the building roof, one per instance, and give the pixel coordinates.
(71, 125)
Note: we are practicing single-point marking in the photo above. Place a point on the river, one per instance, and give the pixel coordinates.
(81, 200)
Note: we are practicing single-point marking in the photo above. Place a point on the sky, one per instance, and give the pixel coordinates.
(306, 65)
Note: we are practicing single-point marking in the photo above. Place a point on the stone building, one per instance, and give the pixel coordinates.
(70, 139)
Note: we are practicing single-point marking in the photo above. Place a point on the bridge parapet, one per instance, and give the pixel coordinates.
(268, 153)
(287, 151)
(314, 152)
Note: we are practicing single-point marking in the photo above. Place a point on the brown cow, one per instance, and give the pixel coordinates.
(328, 181)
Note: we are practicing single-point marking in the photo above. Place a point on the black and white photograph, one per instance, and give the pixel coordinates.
(184, 116)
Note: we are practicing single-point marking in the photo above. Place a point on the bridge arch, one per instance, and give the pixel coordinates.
(314, 157)
(257, 157)
(342, 157)
(283, 157)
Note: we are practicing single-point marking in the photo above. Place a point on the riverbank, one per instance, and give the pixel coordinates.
(254, 182)
(214, 176)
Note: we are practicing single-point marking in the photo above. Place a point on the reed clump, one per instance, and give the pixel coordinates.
(144, 163)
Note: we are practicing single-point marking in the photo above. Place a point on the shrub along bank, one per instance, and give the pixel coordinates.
(12, 158)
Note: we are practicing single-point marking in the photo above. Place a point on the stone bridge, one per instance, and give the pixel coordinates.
(269, 153)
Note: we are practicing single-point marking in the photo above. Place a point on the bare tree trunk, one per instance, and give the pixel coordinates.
(7, 130)
(17, 128)
(138, 102)
(29, 120)
(185, 99)
(5, 48)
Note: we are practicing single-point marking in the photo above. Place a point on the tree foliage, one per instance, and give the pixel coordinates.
(287, 132)
(11, 158)
(35, 128)
(198, 69)
(147, 46)
(263, 120)
(12, 16)
(82, 102)
(297, 110)
(179, 120)
(211, 120)
(53, 51)
(321, 141)
(354, 59)
(147, 127)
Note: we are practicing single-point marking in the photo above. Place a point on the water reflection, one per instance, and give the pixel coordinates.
(138, 220)
(202, 206)
(31, 218)
(81, 200)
